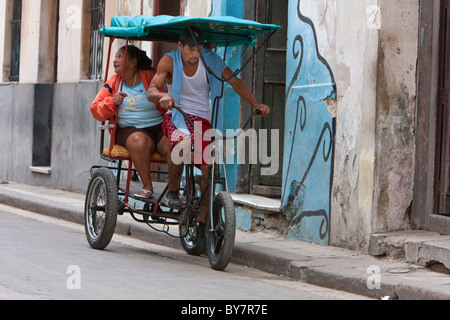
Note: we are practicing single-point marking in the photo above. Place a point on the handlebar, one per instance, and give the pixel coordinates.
(223, 137)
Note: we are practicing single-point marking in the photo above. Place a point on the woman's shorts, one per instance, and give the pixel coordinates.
(155, 133)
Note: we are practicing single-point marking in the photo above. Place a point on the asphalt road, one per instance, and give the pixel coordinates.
(43, 258)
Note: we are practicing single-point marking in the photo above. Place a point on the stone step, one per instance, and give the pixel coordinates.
(254, 211)
(424, 248)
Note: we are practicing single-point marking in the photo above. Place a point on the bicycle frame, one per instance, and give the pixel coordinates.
(215, 175)
(156, 211)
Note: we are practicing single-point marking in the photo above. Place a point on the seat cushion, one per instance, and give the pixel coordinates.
(121, 153)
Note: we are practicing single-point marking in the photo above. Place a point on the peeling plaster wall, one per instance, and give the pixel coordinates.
(197, 8)
(355, 67)
(375, 59)
(396, 103)
(134, 7)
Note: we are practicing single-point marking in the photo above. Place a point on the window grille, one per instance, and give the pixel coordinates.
(97, 11)
(16, 26)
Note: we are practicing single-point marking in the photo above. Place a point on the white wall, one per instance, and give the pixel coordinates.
(69, 40)
(372, 49)
(29, 50)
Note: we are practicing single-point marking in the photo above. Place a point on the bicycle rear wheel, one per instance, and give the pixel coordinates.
(221, 231)
(101, 208)
(193, 242)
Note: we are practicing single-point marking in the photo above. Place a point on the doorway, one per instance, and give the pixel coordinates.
(166, 7)
(431, 204)
(443, 117)
(270, 88)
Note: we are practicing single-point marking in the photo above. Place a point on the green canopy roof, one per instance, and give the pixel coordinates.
(222, 30)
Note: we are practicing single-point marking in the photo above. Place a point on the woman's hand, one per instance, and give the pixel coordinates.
(118, 98)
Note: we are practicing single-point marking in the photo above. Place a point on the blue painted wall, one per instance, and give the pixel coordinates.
(309, 143)
(309, 130)
(231, 101)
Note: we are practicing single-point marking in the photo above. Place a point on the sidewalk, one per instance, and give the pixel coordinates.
(330, 267)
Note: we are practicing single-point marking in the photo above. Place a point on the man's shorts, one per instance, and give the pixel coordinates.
(174, 136)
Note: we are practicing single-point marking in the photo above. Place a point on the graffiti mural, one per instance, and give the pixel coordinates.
(309, 136)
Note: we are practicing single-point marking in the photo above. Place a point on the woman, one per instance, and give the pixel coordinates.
(139, 120)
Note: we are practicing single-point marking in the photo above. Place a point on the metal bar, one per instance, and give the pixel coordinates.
(127, 191)
(111, 41)
(119, 165)
(114, 132)
(211, 194)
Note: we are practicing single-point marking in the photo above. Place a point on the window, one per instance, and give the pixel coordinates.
(16, 24)
(97, 11)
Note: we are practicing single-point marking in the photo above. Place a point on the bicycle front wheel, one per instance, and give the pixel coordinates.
(221, 231)
(192, 241)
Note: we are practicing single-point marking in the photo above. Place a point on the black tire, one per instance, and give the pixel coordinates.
(192, 241)
(101, 209)
(220, 240)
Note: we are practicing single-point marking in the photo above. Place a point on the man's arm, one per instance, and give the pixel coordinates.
(244, 92)
(163, 73)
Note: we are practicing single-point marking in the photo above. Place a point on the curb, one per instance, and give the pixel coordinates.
(329, 272)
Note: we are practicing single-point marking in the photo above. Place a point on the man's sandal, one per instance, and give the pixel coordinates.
(144, 194)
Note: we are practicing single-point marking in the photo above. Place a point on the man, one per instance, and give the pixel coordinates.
(189, 86)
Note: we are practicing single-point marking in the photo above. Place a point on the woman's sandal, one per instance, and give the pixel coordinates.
(144, 194)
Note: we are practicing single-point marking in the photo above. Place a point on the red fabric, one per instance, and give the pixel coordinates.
(174, 135)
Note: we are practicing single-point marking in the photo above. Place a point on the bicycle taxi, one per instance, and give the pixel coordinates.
(109, 194)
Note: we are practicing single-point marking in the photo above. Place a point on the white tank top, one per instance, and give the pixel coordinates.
(194, 94)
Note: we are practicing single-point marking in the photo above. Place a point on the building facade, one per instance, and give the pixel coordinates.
(358, 91)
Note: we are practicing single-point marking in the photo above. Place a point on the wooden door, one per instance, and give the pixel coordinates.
(165, 7)
(443, 117)
(270, 85)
